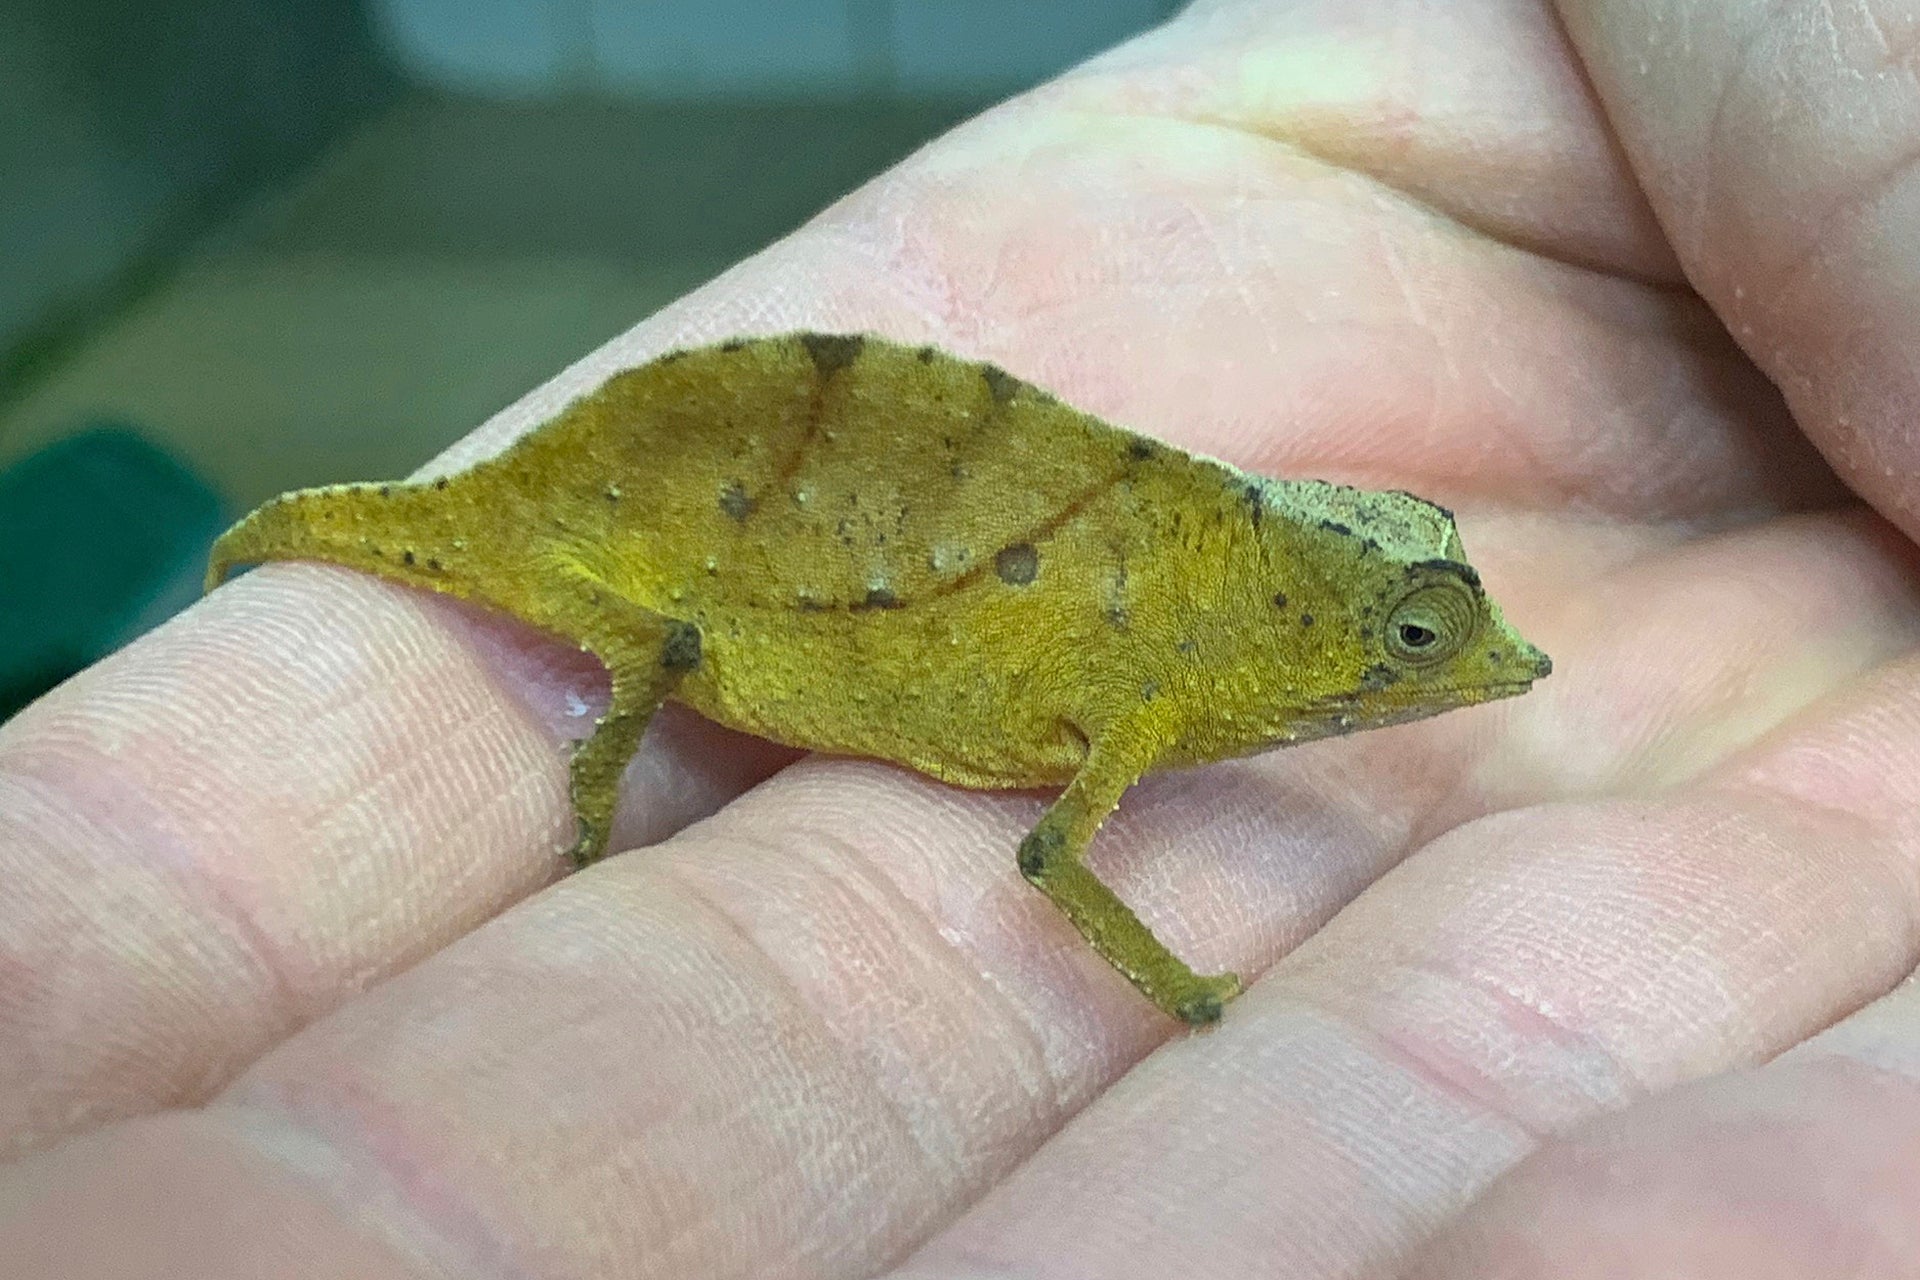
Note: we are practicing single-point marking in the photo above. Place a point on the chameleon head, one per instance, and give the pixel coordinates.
(1400, 627)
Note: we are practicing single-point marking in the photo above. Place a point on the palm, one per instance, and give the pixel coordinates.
(809, 1035)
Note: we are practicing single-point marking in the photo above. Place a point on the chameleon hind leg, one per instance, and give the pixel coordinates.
(1050, 857)
(646, 654)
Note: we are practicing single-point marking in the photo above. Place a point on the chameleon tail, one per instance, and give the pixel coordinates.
(386, 529)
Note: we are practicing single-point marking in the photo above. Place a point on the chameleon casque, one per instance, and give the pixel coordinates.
(847, 544)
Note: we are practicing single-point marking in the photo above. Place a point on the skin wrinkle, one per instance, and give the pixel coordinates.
(369, 1189)
(939, 1166)
(1386, 189)
(1468, 1085)
(1416, 132)
(1068, 950)
(1712, 192)
(277, 992)
(799, 999)
(812, 839)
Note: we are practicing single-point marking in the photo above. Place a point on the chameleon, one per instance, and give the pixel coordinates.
(857, 546)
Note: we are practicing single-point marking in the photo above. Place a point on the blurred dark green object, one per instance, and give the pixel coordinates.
(102, 535)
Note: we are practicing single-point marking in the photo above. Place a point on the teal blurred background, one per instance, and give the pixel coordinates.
(247, 245)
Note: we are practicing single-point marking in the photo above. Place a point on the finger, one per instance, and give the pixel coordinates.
(1515, 978)
(213, 836)
(1776, 143)
(1807, 1167)
(787, 1042)
(1476, 108)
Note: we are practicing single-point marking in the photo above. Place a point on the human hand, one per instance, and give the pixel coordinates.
(281, 989)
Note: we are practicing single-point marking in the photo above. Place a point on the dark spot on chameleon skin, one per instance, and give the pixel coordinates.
(832, 352)
(681, 652)
(1378, 676)
(1256, 503)
(1306, 619)
(441, 483)
(1141, 451)
(735, 502)
(1039, 848)
(1116, 617)
(1279, 599)
(1186, 646)
(1149, 691)
(881, 598)
(1202, 1011)
(1001, 385)
(1465, 572)
(671, 356)
(732, 345)
(434, 565)
(1334, 526)
(386, 491)
(1018, 564)
(927, 355)
(406, 557)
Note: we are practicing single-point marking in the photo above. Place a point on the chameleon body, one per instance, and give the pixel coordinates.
(851, 545)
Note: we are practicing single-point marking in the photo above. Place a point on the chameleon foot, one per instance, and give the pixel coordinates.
(1202, 1004)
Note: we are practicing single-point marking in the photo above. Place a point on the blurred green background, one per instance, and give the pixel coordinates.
(277, 243)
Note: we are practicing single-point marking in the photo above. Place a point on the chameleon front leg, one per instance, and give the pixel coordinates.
(646, 654)
(1050, 857)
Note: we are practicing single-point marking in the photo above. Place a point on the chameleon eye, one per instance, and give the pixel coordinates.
(1431, 624)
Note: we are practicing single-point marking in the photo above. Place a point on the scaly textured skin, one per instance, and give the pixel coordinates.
(850, 545)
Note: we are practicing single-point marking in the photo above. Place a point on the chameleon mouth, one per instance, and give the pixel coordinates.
(1505, 689)
(1352, 712)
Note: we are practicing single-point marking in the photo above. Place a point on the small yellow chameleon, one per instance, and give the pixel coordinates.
(847, 544)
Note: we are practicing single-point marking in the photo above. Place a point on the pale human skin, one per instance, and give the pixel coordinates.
(1605, 981)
